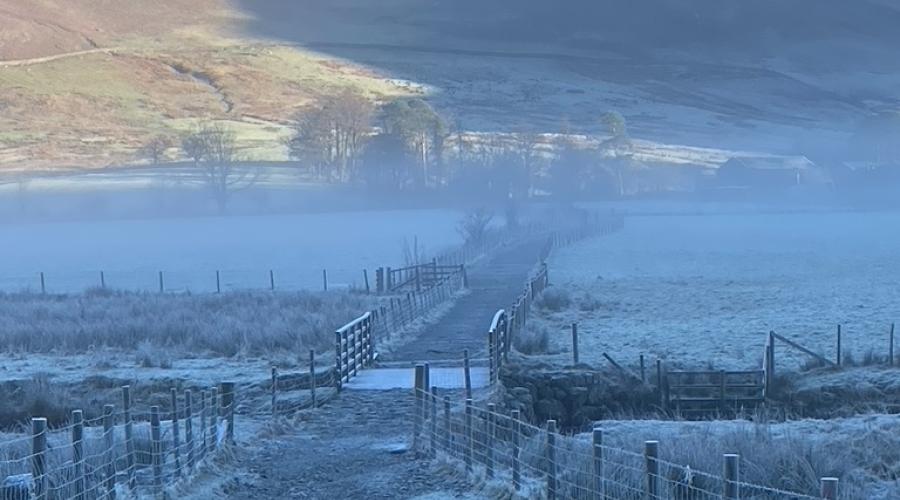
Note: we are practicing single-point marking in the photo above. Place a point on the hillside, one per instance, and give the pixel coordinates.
(86, 82)
(773, 75)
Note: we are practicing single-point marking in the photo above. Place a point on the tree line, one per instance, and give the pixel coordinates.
(406, 146)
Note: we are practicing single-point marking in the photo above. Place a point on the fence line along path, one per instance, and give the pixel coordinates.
(495, 280)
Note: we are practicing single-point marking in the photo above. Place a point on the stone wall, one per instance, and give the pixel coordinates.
(574, 397)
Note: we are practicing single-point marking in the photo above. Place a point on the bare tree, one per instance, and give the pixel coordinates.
(526, 145)
(331, 138)
(473, 226)
(214, 151)
(155, 149)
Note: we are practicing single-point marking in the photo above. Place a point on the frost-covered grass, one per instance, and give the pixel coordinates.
(706, 290)
(791, 456)
(159, 327)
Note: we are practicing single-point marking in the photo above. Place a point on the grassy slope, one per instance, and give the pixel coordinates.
(96, 108)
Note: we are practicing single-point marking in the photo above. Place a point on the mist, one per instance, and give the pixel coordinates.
(449, 249)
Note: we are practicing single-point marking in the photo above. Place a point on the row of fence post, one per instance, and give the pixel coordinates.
(161, 281)
(426, 411)
(220, 406)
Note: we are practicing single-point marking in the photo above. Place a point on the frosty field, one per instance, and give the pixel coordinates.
(189, 251)
(705, 290)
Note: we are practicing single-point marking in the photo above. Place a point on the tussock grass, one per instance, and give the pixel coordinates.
(159, 327)
(554, 299)
(533, 340)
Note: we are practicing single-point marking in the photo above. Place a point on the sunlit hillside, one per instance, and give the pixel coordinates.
(87, 82)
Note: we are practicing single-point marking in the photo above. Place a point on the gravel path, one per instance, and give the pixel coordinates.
(356, 445)
(494, 283)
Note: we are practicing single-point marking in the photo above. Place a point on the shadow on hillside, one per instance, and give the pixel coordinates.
(495, 64)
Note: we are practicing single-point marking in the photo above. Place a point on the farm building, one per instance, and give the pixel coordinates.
(771, 173)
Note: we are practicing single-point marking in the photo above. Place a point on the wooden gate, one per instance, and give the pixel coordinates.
(714, 391)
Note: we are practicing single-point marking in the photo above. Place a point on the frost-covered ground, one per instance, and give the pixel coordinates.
(788, 455)
(190, 250)
(706, 290)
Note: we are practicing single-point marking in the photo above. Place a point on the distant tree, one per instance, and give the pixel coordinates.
(214, 151)
(193, 146)
(385, 164)
(615, 124)
(526, 145)
(570, 168)
(331, 137)
(422, 130)
(155, 149)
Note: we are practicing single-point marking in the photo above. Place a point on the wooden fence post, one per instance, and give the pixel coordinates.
(274, 393)
(162, 285)
(78, 452)
(732, 477)
(43, 284)
(516, 466)
(204, 429)
(489, 440)
(109, 454)
(492, 354)
(189, 429)
(651, 464)
(661, 386)
(176, 433)
(643, 371)
(102, 280)
(129, 437)
(551, 460)
(433, 437)
(839, 361)
(213, 419)
(770, 366)
(891, 347)
(339, 364)
(722, 390)
(312, 378)
(218, 283)
(325, 279)
(574, 343)
(597, 447)
(469, 437)
(448, 429)
(228, 403)
(39, 458)
(829, 488)
(271, 280)
(467, 373)
(156, 449)
(366, 279)
(419, 389)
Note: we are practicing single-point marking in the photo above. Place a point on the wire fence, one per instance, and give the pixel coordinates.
(541, 462)
(136, 450)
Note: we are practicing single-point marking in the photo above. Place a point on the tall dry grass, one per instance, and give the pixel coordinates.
(867, 464)
(229, 324)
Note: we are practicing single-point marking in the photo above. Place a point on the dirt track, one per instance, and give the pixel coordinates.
(355, 446)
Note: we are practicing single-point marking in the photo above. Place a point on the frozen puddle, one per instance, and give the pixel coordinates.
(383, 379)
